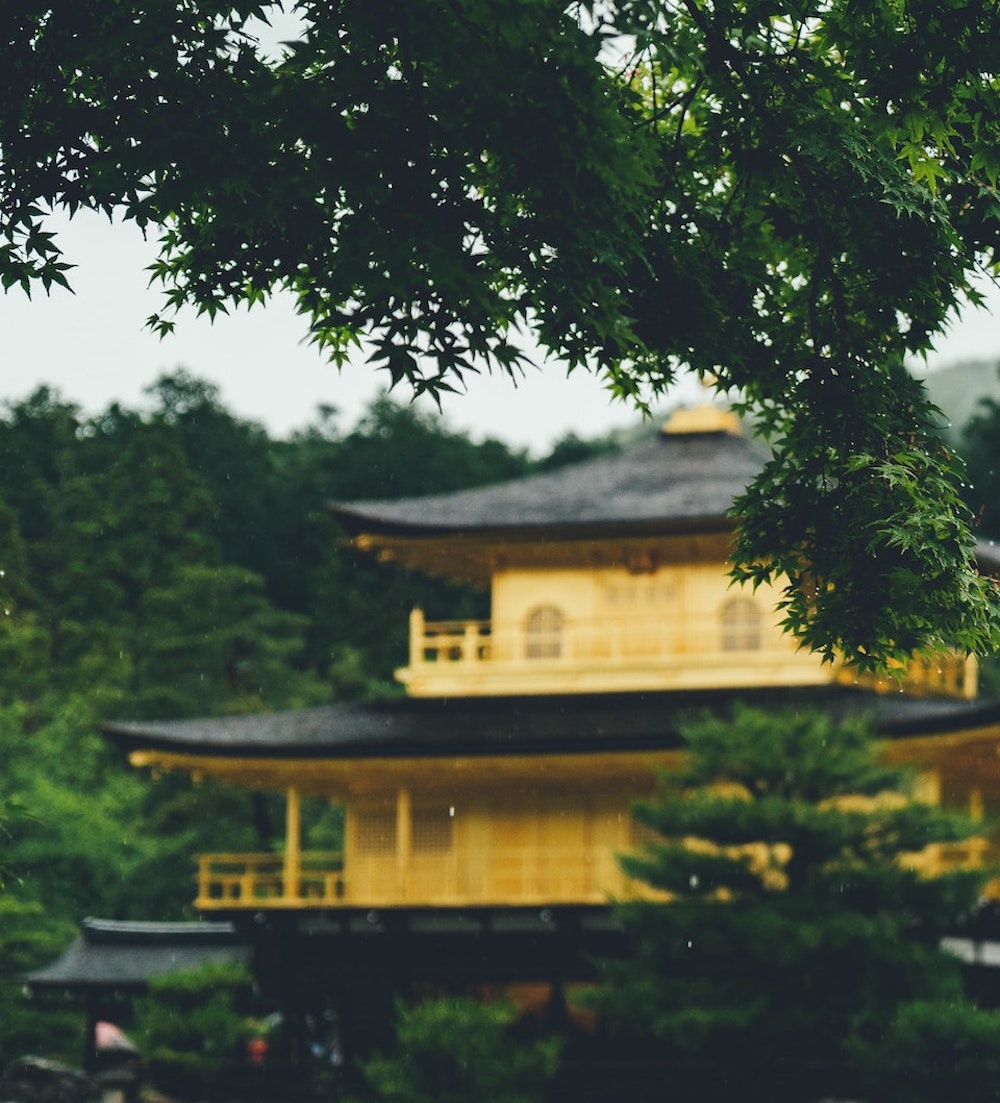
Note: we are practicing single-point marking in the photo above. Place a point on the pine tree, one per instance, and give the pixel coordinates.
(456, 1050)
(784, 920)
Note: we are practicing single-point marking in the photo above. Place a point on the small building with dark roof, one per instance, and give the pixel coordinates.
(120, 956)
(112, 961)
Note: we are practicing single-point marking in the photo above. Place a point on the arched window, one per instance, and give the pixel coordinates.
(543, 632)
(740, 625)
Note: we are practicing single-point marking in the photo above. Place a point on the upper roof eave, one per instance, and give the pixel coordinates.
(379, 531)
(537, 725)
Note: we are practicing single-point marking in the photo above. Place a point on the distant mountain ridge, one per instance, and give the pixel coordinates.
(956, 389)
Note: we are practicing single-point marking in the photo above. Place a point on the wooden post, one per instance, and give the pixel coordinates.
(292, 868)
(470, 642)
(416, 636)
(204, 883)
(970, 677)
(403, 838)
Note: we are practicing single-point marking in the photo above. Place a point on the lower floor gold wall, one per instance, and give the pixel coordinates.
(476, 848)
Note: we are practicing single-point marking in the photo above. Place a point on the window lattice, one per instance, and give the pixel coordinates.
(431, 830)
(740, 625)
(543, 632)
(375, 830)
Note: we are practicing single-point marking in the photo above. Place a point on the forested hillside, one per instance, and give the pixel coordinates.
(180, 562)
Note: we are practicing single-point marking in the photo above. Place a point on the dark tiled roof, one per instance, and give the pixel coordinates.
(675, 480)
(410, 727)
(110, 954)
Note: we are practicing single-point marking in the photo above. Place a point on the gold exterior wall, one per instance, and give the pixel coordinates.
(637, 616)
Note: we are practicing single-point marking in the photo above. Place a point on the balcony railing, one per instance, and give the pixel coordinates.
(506, 875)
(252, 880)
(579, 639)
(452, 641)
(949, 674)
(470, 656)
(978, 852)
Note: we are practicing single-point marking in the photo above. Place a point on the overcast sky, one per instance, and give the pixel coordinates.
(92, 347)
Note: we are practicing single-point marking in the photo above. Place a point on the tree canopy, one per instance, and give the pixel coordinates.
(790, 197)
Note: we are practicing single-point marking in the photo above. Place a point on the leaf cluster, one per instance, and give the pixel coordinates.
(790, 198)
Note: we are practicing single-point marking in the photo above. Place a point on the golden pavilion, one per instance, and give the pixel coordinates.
(485, 810)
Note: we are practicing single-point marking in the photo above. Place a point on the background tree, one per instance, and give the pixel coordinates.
(29, 939)
(788, 198)
(794, 923)
(209, 643)
(980, 440)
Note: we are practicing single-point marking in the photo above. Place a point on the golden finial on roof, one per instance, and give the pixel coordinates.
(704, 418)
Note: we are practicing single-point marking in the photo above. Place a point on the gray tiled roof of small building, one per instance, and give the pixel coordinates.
(126, 955)
(669, 479)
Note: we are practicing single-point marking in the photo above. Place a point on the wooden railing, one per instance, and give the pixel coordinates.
(249, 880)
(949, 674)
(484, 641)
(503, 875)
(451, 641)
(469, 649)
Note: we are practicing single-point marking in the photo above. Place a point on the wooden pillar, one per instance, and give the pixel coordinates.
(416, 636)
(403, 838)
(89, 1063)
(470, 643)
(292, 870)
(970, 677)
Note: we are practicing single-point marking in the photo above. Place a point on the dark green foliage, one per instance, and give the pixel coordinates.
(789, 198)
(254, 510)
(793, 927)
(192, 1030)
(892, 523)
(455, 1050)
(396, 452)
(573, 449)
(52, 1028)
(73, 814)
(933, 1052)
(209, 642)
